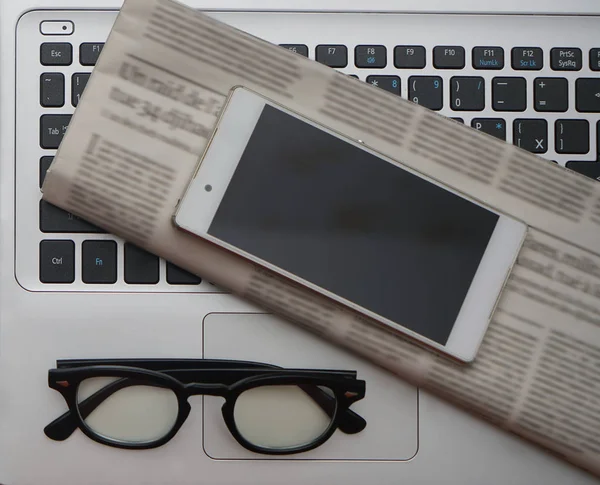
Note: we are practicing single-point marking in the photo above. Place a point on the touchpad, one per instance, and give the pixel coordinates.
(390, 406)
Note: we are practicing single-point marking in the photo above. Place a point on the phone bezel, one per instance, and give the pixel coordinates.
(198, 206)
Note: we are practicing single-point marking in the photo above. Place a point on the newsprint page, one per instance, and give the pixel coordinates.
(145, 119)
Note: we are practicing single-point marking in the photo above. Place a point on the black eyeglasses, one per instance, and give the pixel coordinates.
(141, 404)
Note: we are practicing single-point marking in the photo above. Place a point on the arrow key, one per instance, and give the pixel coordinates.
(467, 93)
(587, 93)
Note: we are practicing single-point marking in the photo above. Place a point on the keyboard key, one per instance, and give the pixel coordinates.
(589, 169)
(78, 83)
(457, 119)
(492, 126)
(54, 219)
(426, 91)
(297, 48)
(488, 57)
(389, 83)
(595, 59)
(332, 55)
(52, 90)
(509, 94)
(566, 59)
(44, 166)
(527, 58)
(551, 94)
(448, 57)
(179, 276)
(99, 262)
(141, 267)
(531, 135)
(56, 54)
(89, 53)
(572, 136)
(467, 93)
(57, 261)
(370, 56)
(587, 95)
(409, 56)
(52, 130)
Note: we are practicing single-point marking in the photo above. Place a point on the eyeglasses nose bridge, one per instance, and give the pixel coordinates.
(206, 389)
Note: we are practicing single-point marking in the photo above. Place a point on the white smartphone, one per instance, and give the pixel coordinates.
(327, 212)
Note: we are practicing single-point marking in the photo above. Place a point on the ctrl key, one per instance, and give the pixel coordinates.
(57, 261)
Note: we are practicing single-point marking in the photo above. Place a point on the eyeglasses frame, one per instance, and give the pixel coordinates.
(68, 375)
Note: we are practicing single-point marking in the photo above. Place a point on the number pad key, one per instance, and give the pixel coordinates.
(426, 91)
(492, 126)
(467, 93)
(79, 81)
(389, 83)
(332, 55)
(531, 135)
(527, 58)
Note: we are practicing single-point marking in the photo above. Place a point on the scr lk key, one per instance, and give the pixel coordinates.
(527, 58)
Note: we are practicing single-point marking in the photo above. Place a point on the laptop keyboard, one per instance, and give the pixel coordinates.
(543, 98)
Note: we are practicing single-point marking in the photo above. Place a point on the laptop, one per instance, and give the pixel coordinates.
(537, 73)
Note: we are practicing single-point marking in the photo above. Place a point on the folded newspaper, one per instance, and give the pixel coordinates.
(145, 119)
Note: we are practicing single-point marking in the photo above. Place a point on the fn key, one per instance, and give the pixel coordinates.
(99, 262)
(57, 261)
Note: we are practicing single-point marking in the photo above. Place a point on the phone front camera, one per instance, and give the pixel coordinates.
(208, 188)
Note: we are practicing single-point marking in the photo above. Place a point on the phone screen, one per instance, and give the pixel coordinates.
(351, 223)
